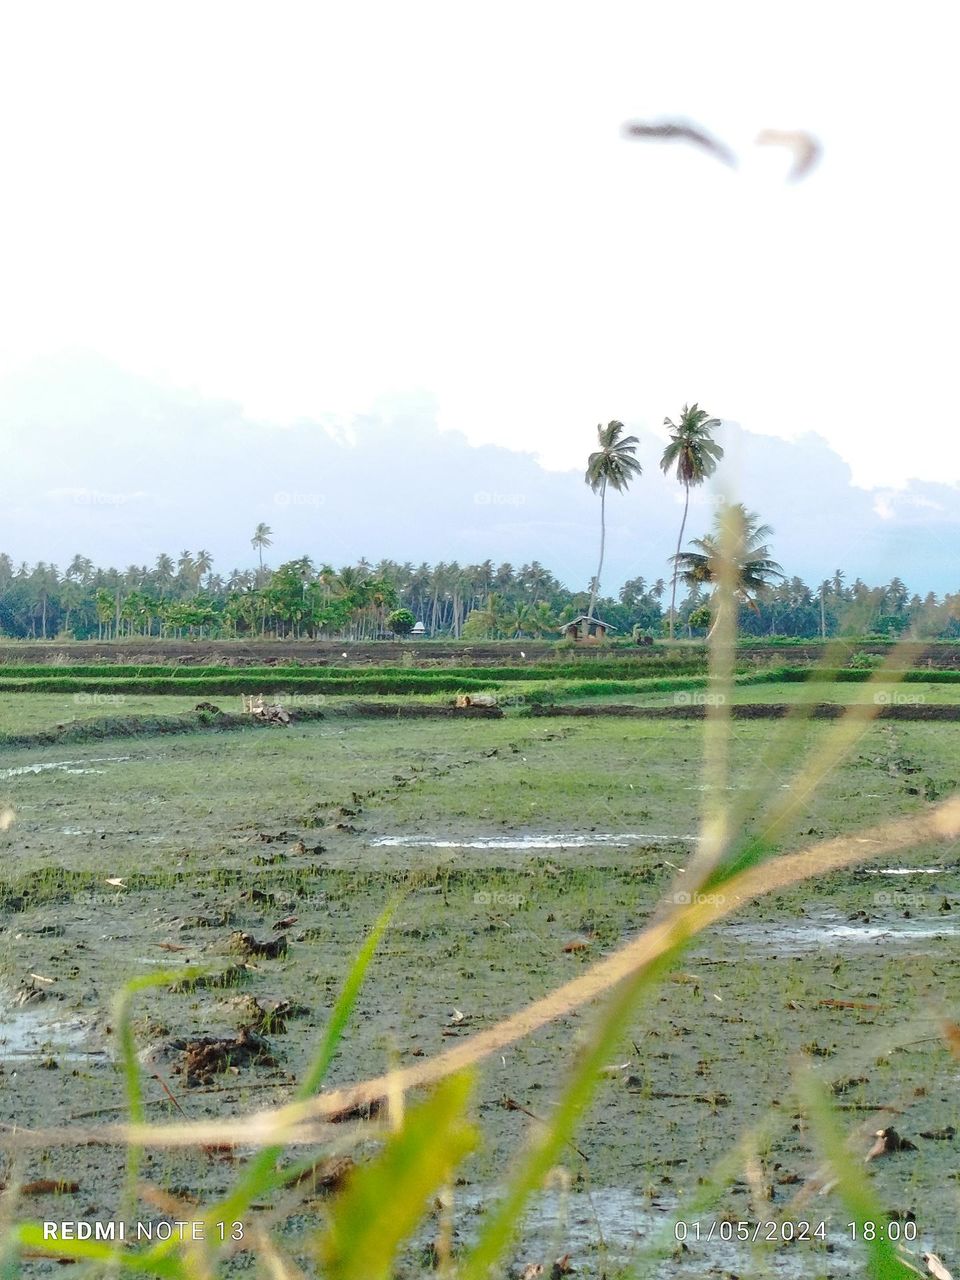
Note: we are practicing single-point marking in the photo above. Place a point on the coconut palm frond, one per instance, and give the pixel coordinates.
(694, 454)
(613, 466)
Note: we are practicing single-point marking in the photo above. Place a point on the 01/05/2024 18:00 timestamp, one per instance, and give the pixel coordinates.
(771, 1232)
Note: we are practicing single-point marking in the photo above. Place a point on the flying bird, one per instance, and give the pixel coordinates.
(805, 148)
(678, 131)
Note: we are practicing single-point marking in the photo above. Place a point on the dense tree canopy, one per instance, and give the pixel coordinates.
(188, 596)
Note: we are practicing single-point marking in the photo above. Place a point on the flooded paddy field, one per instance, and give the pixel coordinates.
(523, 849)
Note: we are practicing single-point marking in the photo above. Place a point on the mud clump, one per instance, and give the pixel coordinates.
(301, 847)
(362, 1111)
(327, 1175)
(29, 992)
(269, 949)
(210, 1056)
(268, 1016)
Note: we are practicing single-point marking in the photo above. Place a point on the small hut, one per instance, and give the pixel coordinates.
(586, 630)
(418, 630)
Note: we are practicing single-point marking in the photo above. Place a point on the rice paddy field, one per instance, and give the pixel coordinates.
(520, 850)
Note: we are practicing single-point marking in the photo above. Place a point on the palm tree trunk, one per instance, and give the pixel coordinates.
(676, 566)
(603, 538)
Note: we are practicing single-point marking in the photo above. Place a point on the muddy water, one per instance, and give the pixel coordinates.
(35, 1032)
(77, 767)
(619, 1226)
(832, 932)
(593, 840)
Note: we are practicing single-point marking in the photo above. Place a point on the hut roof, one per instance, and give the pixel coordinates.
(599, 622)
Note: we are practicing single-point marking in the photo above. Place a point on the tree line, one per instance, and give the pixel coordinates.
(188, 596)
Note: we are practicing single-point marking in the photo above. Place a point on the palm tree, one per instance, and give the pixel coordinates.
(184, 577)
(44, 580)
(203, 563)
(79, 570)
(163, 572)
(695, 454)
(262, 537)
(753, 569)
(614, 464)
(542, 620)
(520, 619)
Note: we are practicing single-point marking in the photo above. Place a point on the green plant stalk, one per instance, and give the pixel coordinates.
(130, 1065)
(781, 809)
(852, 1185)
(548, 1145)
(384, 1200)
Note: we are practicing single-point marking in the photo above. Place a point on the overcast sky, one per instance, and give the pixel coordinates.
(305, 208)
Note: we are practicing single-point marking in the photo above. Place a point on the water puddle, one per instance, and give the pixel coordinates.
(904, 871)
(628, 1226)
(543, 841)
(37, 1031)
(831, 932)
(62, 766)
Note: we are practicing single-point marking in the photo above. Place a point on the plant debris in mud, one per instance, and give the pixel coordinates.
(363, 1111)
(229, 977)
(210, 1056)
(269, 948)
(323, 1176)
(269, 1016)
(888, 1141)
(46, 1187)
(939, 1135)
(30, 992)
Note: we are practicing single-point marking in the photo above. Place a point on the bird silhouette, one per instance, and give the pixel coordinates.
(679, 131)
(805, 148)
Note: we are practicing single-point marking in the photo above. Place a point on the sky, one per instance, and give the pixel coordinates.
(315, 210)
(114, 466)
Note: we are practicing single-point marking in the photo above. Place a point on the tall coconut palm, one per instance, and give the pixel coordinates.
(262, 537)
(79, 570)
(695, 454)
(203, 563)
(754, 571)
(163, 572)
(614, 464)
